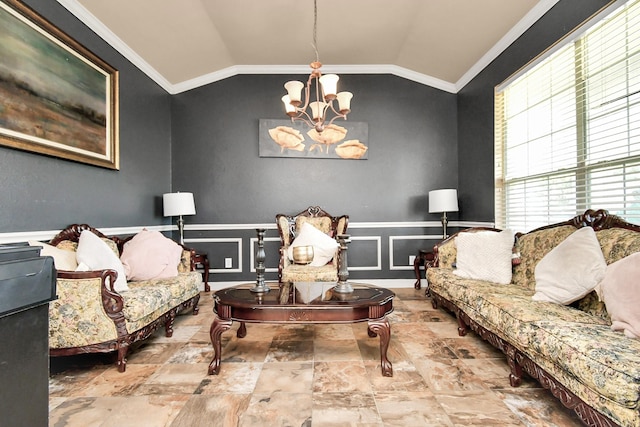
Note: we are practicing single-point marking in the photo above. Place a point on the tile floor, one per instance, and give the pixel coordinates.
(304, 375)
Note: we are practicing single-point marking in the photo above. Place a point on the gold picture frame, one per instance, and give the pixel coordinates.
(58, 98)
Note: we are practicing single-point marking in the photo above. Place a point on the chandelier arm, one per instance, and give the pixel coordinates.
(339, 116)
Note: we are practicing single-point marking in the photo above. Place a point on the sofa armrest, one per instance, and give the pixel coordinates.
(87, 310)
(187, 260)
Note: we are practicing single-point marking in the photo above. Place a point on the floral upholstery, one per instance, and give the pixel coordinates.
(594, 354)
(78, 321)
(306, 273)
(574, 344)
(532, 248)
(617, 243)
(77, 317)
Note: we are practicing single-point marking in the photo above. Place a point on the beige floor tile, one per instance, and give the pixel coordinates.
(234, 378)
(278, 408)
(477, 409)
(333, 350)
(340, 377)
(304, 375)
(415, 409)
(345, 409)
(286, 377)
(117, 411)
(221, 410)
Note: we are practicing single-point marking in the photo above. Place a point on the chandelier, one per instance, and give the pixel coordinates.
(322, 112)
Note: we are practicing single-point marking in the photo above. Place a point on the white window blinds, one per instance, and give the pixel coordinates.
(567, 134)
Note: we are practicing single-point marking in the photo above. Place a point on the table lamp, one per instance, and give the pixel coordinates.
(444, 201)
(178, 204)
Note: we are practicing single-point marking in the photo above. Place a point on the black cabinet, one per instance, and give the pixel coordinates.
(27, 284)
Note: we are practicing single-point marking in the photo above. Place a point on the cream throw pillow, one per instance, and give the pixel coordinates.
(150, 255)
(62, 259)
(97, 255)
(620, 291)
(324, 247)
(484, 255)
(570, 270)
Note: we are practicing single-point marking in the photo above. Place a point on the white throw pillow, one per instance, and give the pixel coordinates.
(570, 270)
(97, 255)
(485, 255)
(324, 247)
(620, 291)
(62, 259)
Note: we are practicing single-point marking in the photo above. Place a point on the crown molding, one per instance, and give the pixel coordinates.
(89, 19)
(523, 25)
(118, 44)
(304, 69)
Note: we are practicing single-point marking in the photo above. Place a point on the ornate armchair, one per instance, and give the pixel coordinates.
(290, 226)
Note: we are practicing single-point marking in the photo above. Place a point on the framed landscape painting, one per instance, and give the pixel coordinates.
(57, 97)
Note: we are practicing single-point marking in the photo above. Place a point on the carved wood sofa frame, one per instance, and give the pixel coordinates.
(518, 362)
(113, 302)
(310, 212)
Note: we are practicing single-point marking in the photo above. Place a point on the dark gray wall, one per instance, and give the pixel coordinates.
(47, 193)
(475, 104)
(412, 149)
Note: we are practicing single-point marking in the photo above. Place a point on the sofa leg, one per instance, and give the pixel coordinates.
(168, 324)
(462, 327)
(196, 309)
(122, 357)
(515, 376)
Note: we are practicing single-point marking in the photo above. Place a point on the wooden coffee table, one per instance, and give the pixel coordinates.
(302, 303)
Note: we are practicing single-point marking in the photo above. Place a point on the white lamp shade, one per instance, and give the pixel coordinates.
(344, 101)
(317, 109)
(176, 204)
(288, 107)
(294, 90)
(329, 84)
(445, 200)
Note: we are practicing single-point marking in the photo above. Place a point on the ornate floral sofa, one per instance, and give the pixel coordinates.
(90, 316)
(570, 349)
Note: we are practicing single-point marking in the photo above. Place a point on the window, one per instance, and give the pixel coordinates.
(567, 134)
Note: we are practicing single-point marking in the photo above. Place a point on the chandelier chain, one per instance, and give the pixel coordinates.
(315, 29)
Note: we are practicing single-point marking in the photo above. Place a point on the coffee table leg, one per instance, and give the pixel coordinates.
(242, 330)
(218, 326)
(382, 328)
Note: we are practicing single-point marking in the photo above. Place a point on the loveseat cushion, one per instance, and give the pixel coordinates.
(505, 310)
(601, 359)
(180, 287)
(306, 273)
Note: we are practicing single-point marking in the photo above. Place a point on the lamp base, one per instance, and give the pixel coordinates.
(444, 225)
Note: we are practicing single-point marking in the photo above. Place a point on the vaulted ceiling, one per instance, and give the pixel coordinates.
(183, 44)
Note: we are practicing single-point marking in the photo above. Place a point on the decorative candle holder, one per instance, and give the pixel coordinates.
(260, 286)
(302, 254)
(343, 286)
